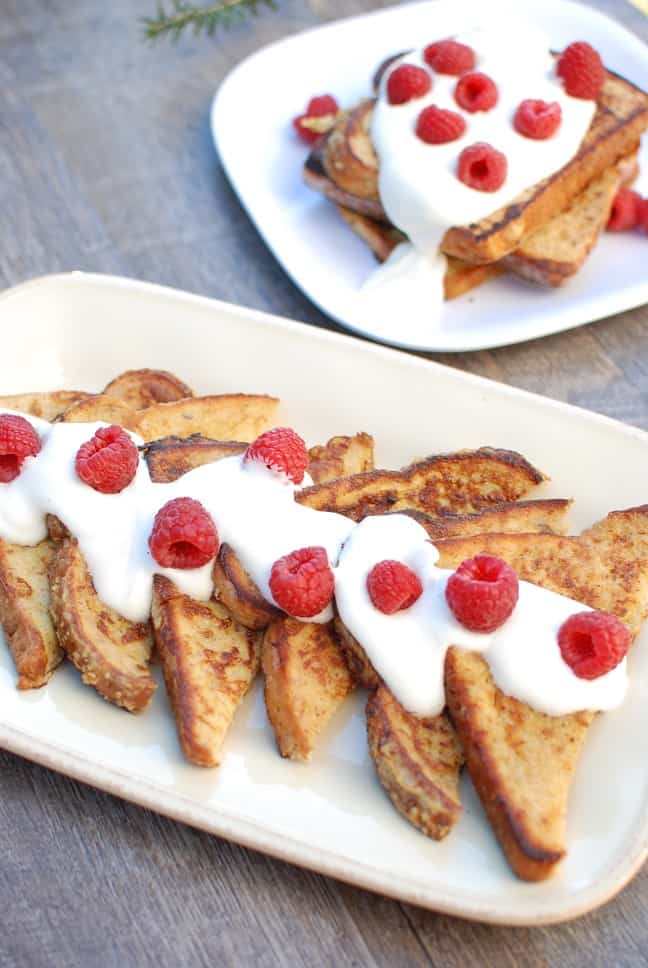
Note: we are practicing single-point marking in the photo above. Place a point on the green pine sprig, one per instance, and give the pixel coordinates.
(204, 19)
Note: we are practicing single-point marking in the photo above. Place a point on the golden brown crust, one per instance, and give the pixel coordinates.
(349, 157)
(139, 389)
(171, 457)
(24, 612)
(99, 407)
(355, 657)
(306, 681)
(234, 588)
(341, 456)
(548, 516)
(457, 483)
(111, 653)
(209, 662)
(46, 405)
(228, 416)
(418, 763)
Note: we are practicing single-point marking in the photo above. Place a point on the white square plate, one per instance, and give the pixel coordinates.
(263, 160)
(331, 815)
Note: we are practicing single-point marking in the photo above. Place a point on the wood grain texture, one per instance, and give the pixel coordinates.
(106, 164)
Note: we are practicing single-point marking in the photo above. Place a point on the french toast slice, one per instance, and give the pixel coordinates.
(306, 680)
(24, 611)
(548, 515)
(99, 406)
(341, 456)
(47, 404)
(522, 761)
(418, 762)
(620, 119)
(209, 662)
(461, 482)
(140, 389)
(228, 416)
(111, 653)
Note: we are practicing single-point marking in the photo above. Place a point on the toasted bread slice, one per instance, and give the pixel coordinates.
(111, 653)
(620, 119)
(209, 662)
(230, 416)
(46, 405)
(548, 516)
(306, 681)
(457, 483)
(99, 406)
(521, 761)
(556, 251)
(24, 612)
(139, 389)
(234, 588)
(418, 763)
(341, 456)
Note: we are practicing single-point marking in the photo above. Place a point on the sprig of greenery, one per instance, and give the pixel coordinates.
(203, 19)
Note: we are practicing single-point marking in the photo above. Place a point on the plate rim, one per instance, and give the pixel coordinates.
(608, 305)
(622, 865)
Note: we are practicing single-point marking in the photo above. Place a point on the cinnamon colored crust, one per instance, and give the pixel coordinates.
(46, 405)
(457, 483)
(418, 762)
(230, 416)
(169, 458)
(139, 389)
(341, 456)
(306, 681)
(99, 406)
(209, 662)
(111, 653)
(24, 612)
(234, 588)
(544, 516)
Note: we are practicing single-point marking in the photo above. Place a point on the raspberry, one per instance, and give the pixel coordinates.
(537, 119)
(642, 214)
(302, 582)
(281, 450)
(436, 126)
(318, 107)
(481, 167)
(449, 57)
(406, 83)
(183, 535)
(582, 71)
(482, 593)
(593, 643)
(625, 211)
(108, 461)
(392, 586)
(476, 92)
(18, 440)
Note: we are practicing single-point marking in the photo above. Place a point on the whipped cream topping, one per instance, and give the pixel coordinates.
(254, 511)
(418, 185)
(408, 649)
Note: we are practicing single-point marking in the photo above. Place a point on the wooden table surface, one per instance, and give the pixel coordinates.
(106, 164)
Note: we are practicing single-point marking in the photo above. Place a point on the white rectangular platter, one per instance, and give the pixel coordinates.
(331, 815)
(264, 160)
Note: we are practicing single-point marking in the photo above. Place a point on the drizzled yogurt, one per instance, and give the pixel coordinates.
(255, 511)
(418, 185)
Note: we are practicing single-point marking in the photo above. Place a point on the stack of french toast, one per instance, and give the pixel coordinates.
(521, 761)
(544, 235)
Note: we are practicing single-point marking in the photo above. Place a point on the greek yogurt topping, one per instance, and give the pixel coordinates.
(418, 184)
(254, 511)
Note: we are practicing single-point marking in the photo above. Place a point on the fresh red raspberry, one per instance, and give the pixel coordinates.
(302, 582)
(625, 211)
(108, 461)
(281, 450)
(642, 214)
(449, 57)
(482, 593)
(406, 83)
(318, 107)
(476, 92)
(482, 167)
(392, 586)
(18, 440)
(537, 119)
(183, 535)
(593, 643)
(582, 71)
(436, 126)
